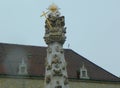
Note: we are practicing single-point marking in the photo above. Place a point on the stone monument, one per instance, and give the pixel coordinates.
(55, 66)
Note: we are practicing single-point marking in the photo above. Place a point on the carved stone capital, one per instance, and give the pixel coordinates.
(54, 37)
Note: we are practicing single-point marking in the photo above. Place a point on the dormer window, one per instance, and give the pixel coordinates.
(83, 72)
(22, 68)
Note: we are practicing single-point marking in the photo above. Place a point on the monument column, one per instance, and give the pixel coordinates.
(55, 66)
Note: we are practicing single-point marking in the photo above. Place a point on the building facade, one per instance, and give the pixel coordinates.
(15, 59)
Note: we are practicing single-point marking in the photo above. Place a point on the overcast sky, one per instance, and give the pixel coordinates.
(93, 27)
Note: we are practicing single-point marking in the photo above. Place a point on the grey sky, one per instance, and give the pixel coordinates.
(93, 27)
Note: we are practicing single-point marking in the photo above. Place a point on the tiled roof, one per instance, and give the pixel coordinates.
(12, 54)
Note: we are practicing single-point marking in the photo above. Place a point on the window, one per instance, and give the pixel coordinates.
(22, 69)
(83, 72)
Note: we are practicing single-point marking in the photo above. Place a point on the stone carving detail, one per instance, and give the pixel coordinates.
(49, 50)
(57, 48)
(56, 59)
(57, 65)
(48, 79)
(65, 80)
(63, 67)
(49, 67)
(55, 21)
(57, 72)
